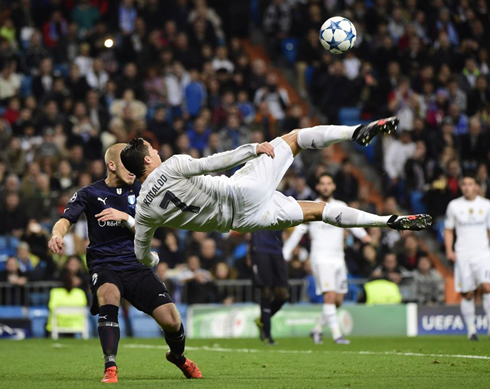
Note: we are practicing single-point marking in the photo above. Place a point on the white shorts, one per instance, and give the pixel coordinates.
(257, 204)
(469, 274)
(330, 277)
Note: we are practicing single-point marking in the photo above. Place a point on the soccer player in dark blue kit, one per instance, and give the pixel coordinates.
(270, 276)
(109, 206)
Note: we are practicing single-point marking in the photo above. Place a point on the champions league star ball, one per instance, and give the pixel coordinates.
(338, 35)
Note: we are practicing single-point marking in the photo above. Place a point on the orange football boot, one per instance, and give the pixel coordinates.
(189, 368)
(110, 375)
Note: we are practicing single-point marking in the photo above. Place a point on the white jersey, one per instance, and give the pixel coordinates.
(177, 194)
(327, 241)
(471, 221)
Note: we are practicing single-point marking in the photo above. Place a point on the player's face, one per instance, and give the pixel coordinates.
(469, 187)
(325, 187)
(123, 174)
(155, 157)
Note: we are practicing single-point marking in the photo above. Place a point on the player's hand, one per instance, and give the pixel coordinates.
(111, 214)
(451, 256)
(367, 239)
(55, 244)
(156, 259)
(265, 148)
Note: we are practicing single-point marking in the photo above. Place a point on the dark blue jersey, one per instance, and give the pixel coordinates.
(265, 241)
(111, 243)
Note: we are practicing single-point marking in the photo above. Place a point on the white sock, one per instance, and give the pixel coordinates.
(329, 317)
(319, 137)
(468, 312)
(319, 325)
(486, 308)
(350, 217)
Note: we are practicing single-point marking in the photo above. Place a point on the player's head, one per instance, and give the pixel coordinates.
(114, 165)
(325, 186)
(139, 157)
(469, 187)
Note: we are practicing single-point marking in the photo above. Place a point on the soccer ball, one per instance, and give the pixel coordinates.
(338, 35)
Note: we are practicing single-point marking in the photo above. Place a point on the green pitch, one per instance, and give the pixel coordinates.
(426, 362)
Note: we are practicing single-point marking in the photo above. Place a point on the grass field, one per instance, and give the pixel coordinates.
(426, 362)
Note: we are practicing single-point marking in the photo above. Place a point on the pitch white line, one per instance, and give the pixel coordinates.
(249, 350)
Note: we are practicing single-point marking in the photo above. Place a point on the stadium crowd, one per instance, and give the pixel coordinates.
(77, 77)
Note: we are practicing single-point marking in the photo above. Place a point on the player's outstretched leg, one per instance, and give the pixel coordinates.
(347, 217)
(168, 318)
(320, 137)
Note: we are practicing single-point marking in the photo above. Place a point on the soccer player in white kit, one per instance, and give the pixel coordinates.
(469, 217)
(327, 260)
(179, 193)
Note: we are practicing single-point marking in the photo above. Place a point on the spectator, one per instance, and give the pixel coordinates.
(200, 288)
(127, 16)
(390, 269)
(429, 285)
(194, 94)
(176, 81)
(77, 83)
(54, 29)
(97, 77)
(17, 279)
(85, 16)
(277, 24)
(136, 109)
(396, 157)
(474, 144)
(233, 134)
(208, 254)
(410, 253)
(9, 82)
(199, 134)
(347, 185)
(74, 269)
(277, 98)
(161, 273)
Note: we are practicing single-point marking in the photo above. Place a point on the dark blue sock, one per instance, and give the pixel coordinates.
(176, 342)
(265, 316)
(109, 334)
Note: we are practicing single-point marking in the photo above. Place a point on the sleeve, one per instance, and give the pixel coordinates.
(450, 221)
(76, 206)
(358, 232)
(293, 241)
(390, 164)
(188, 166)
(142, 242)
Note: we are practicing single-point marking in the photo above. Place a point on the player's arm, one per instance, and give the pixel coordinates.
(112, 214)
(449, 225)
(361, 234)
(142, 245)
(293, 241)
(60, 229)
(226, 160)
(75, 207)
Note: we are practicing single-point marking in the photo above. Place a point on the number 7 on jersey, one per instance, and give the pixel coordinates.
(170, 197)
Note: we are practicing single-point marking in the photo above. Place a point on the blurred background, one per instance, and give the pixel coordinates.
(199, 77)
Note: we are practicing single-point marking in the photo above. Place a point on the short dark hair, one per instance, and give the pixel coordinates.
(324, 175)
(469, 175)
(133, 156)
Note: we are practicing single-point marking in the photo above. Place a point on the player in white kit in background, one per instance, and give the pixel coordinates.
(180, 193)
(469, 217)
(327, 261)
